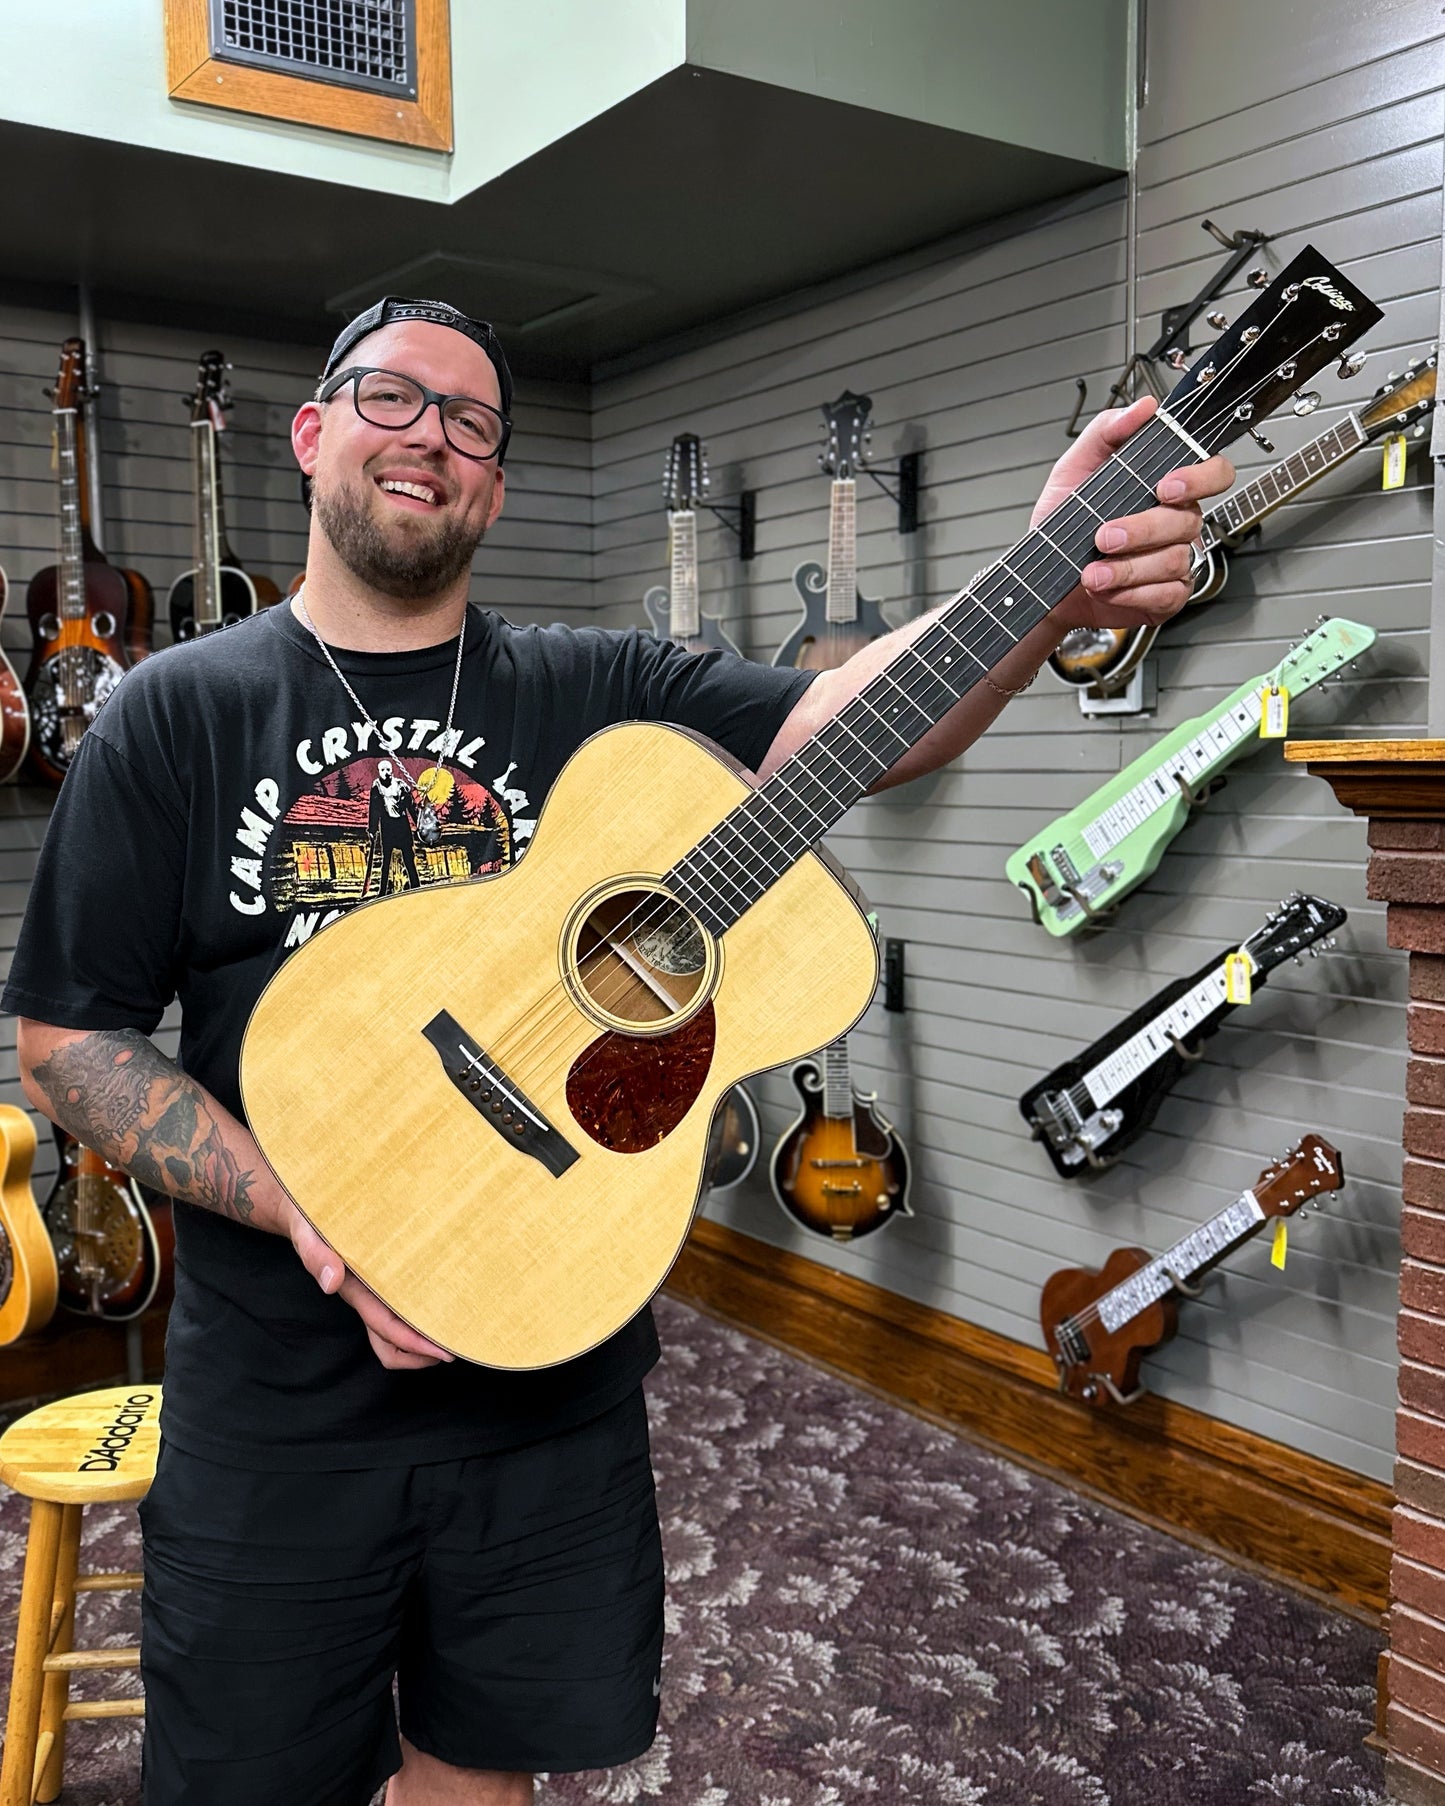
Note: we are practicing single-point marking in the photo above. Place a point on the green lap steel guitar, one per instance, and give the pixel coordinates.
(1077, 868)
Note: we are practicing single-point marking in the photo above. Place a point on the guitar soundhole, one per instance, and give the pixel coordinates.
(630, 1092)
(637, 961)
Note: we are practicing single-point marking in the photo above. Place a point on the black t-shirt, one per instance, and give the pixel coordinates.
(222, 808)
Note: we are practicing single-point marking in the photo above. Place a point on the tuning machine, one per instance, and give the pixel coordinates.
(1258, 278)
(1176, 359)
(1258, 437)
(1217, 319)
(1305, 402)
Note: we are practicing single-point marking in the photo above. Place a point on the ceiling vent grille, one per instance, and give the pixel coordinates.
(368, 44)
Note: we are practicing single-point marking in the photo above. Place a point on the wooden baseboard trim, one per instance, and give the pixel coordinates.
(1301, 1519)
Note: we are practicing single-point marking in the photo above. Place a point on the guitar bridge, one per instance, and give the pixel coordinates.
(494, 1097)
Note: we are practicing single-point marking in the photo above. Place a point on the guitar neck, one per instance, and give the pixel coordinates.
(731, 867)
(208, 533)
(1102, 1083)
(1196, 1251)
(1241, 510)
(684, 609)
(72, 516)
(837, 1081)
(842, 603)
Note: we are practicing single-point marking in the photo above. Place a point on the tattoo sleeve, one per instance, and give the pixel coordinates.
(118, 1093)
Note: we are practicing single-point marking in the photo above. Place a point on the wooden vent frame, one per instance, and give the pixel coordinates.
(193, 74)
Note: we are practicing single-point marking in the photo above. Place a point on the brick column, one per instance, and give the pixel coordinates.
(1400, 786)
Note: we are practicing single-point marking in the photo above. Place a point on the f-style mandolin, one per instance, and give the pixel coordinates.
(80, 608)
(840, 1169)
(1099, 1326)
(540, 1053)
(837, 620)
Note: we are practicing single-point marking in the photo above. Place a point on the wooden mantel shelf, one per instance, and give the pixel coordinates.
(1388, 779)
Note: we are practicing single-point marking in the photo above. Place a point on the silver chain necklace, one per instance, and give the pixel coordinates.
(361, 706)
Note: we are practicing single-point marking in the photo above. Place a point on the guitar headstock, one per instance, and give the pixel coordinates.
(1401, 401)
(1306, 1171)
(684, 474)
(72, 388)
(1301, 322)
(848, 434)
(1300, 923)
(1320, 654)
(211, 396)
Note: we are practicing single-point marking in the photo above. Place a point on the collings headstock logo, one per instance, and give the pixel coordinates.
(1322, 285)
(115, 1439)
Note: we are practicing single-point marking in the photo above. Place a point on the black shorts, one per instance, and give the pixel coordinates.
(517, 1596)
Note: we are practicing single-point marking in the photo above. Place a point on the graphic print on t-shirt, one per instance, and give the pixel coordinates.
(371, 825)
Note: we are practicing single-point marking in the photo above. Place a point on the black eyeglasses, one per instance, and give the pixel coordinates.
(473, 429)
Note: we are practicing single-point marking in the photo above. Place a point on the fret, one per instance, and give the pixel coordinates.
(966, 639)
(684, 609)
(72, 518)
(1103, 1083)
(1197, 1249)
(837, 1081)
(842, 601)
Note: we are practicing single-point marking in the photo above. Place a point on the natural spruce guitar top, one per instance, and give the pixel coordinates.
(493, 1098)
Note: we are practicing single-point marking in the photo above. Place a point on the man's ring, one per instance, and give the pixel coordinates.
(1198, 558)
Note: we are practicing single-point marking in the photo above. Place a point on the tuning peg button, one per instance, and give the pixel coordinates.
(1176, 359)
(1217, 320)
(1260, 440)
(1306, 402)
(1350, 364)
(1258, 278)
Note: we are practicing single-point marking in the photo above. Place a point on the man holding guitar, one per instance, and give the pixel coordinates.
(326, 1514)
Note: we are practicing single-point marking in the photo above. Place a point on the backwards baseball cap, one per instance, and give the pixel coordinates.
(439, 313)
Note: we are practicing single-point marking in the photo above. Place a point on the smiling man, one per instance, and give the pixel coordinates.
(338, 1502)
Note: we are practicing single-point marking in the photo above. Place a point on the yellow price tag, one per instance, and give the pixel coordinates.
(1273, 712)
(1238, 969)
(1393, 474)
(1280, 1243)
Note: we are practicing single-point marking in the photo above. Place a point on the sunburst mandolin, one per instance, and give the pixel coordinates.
(532, 1062)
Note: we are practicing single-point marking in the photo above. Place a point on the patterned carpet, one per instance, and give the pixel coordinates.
(863, 1608)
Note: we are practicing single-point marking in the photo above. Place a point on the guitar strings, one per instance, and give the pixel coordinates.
(1195, 410)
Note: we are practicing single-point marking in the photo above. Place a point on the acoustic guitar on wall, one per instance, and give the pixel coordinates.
(840, 1169)
(541, 1053)
(80, 608)
(114, 1249)
(28, 1278)
(836, 619)
(215, 592)
(1098, 1326)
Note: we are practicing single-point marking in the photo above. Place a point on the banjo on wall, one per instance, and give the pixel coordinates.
(554, 1088)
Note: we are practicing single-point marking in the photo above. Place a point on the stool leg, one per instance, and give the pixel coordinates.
(55, 1695)
(32, 1635)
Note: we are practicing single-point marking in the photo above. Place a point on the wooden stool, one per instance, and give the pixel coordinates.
(91, 1449)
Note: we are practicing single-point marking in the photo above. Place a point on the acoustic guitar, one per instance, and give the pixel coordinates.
(540, 1053)
(14, 709)
(1087, 1111)
(836, 619)
(675, 612)
(840, 1169)
(28, 1278)
(1105, 658)
(215, 592)
(1098, 1326)
(79, 608)
(115, 1251)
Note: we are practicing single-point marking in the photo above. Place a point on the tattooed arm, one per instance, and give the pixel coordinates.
(117, 1092)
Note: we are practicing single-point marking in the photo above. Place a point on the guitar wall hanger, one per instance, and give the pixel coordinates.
(906, 494)
(1176, 321)
(740, 517)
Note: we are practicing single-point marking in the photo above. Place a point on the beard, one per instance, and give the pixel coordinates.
(410, 566)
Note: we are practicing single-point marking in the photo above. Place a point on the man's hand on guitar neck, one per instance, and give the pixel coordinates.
(115, 1091)
(1144, 577)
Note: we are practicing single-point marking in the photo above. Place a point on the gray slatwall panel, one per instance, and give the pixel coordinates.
(532, 568)
(1314, 133)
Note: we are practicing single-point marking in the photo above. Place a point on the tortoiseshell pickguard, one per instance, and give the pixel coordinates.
(629, 1092)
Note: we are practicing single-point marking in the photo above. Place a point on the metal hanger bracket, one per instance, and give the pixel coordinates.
(740, 517)
(906, 494)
